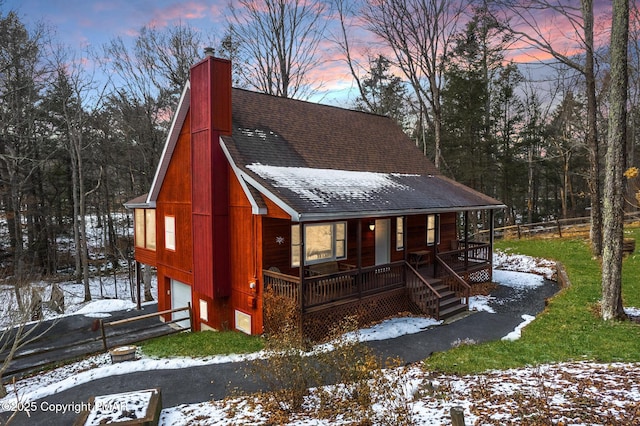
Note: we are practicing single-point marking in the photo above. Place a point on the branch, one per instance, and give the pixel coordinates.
(86, 194)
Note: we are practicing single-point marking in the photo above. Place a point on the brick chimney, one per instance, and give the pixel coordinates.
(210, 111)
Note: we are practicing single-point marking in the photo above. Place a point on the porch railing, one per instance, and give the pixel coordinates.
(453, 281)
(422, 293)
(282, 284)
(323, 289)
(475, 254)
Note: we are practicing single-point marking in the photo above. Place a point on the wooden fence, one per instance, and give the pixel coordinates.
(557, 226)
(134, 338)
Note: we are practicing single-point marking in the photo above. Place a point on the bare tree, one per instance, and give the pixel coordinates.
(420, 33)
(529, 21)
(77, 96)
(147, 80)
(346, 13)
(277, 42)
(18, 329)
(613, 217)
(167, 55)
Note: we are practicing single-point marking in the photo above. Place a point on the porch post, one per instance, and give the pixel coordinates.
(435, 244)
(302, 280)
(138, 278)
(491, 229)
(466, 237)
(405, 248)
(359, 260)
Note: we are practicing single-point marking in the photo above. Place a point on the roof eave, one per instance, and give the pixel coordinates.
(315, 217)
(255, 209)
(170, 143)
(131, 206)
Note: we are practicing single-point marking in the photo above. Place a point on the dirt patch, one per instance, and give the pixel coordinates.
(483, 289)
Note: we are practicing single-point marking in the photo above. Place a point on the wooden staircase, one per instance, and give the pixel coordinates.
(450, 304)
(433, 296)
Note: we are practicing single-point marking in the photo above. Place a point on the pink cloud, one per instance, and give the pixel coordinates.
(162, 17)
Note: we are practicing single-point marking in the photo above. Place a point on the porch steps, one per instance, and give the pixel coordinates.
(450, 304)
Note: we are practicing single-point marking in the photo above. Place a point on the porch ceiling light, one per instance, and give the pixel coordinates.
(372, 226)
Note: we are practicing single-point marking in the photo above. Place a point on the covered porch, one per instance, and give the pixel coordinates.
(428, 270)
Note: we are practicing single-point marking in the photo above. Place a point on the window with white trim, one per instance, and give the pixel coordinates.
(145, 232)
(324, 242)
(295, 245)
(431, 229)
(170, 232)
(399, 233)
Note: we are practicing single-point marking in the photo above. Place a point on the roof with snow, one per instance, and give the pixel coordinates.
(320, 162)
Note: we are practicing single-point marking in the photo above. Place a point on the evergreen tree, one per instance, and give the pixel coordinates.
(383, 93)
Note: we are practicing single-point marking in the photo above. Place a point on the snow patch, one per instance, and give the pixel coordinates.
(321, 186)
(481, 304)
(106, 305)
(517, 333)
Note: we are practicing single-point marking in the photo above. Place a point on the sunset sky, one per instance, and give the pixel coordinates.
(82, 23)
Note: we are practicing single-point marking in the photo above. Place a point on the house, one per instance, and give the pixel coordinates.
(334, 210)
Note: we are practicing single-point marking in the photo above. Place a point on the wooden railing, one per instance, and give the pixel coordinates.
(467, 258)
(326, 289)
(453, 281)
(323, 289)
(557, 226)
(134, 338)
(422, 293)
(282, 284)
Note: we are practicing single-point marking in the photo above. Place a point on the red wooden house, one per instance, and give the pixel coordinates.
(334, 209)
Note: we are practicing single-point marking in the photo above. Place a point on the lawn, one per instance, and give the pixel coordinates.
(570, 328)
(202, 344)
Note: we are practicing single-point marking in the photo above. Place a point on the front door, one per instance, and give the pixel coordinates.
(383, 241)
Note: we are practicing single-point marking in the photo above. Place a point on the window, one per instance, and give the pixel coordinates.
(145, 232)
(139, 223)
(150, 218)
(323, 242)
(431, 229)
(170, 232)
(399, 233)
(204, 310)
(295, 245)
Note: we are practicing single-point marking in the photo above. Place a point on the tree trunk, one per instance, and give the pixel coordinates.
(84, 249)
(592, 131)
(146, 277)
(613, 190)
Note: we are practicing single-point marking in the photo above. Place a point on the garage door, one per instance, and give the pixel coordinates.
(180, 298)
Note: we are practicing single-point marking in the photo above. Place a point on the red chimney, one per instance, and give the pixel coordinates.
(210, 111)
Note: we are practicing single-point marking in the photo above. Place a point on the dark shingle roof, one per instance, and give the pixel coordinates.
(292, 132)
(320, 161)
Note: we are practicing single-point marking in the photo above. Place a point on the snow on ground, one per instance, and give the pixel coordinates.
(568, 393)
(605, 393)
(396, 327)
(517, 280)
(517, 333)
(109, 294)
(505, 261)
(481, 303)
(632, 312)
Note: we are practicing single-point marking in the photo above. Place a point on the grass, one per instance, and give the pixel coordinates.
(202, 344)
(570, 328)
